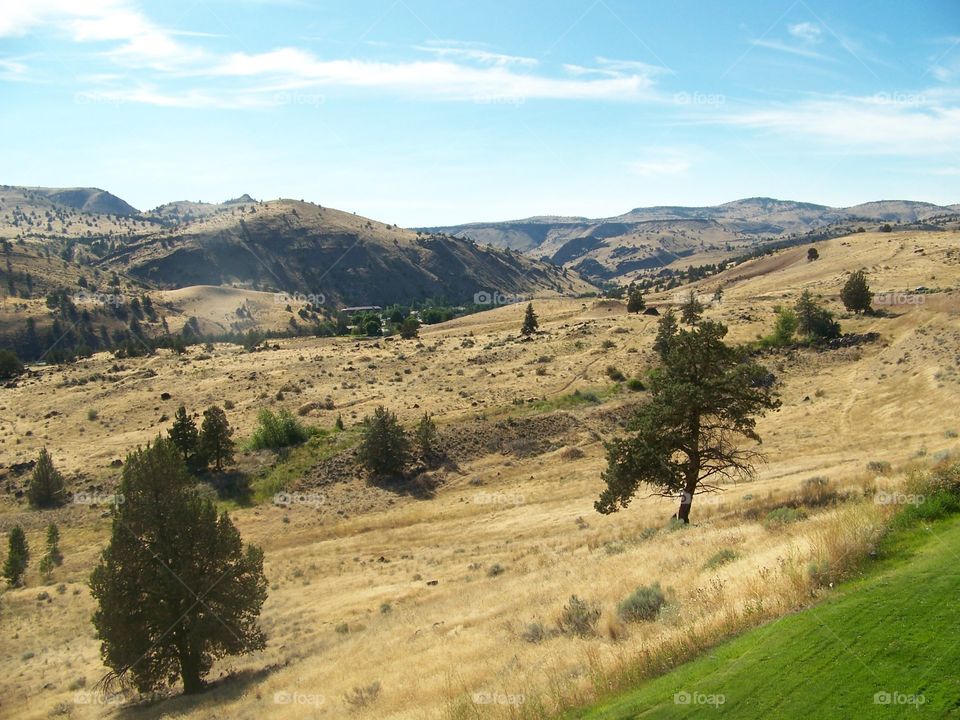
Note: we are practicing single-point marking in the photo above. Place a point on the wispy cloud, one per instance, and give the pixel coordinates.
(661, 162)
(463, 51)
(806, 31)
(802, 51)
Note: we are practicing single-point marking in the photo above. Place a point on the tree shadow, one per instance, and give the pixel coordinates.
(225, 689)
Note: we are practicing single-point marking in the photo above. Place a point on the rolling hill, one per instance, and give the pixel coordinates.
(654, 237)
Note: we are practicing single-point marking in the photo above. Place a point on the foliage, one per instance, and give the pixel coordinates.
(692, 309)
(280, 430)
(856, 294)
(184, 435)
(425, 437)
(530, 321)
(10, 365)
(813, 320)
(704, 401)
(635, 301)
(643, 604)
(176, 589)
(666, 330)
(384, 448)
(579, 617)
(18, 555)
(46, 488)
(410, 328)
(215, 443)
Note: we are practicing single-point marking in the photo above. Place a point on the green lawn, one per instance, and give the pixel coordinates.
(896, 631)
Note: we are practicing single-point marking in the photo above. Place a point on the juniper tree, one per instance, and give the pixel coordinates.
(18, 555)
(176, 588)
(704, 402)
(635, 301)
(53, 544)
(215, 444)
(46, 488)
(425, 437)
(856, 294)
(384, 447)
(530, 322)
(666, 330)
(814, 320)
(184, 435)
(692, 309)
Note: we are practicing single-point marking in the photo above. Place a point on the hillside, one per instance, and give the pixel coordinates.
(470, 576)
(654, 237)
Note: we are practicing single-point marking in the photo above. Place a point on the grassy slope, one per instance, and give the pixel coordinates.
(894, 631)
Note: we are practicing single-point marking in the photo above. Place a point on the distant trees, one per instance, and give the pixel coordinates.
(530, 321)
(18, 555)
(46, 487)
(215, 443)
(692, 309)
(704, 400)
(176, 588)
(635, 301)
(384, 447)
(856, 294)
(812, 254)
(10, 365)
(813, 320)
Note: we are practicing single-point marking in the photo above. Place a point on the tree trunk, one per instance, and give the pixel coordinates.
(686, 501)
(190, 671)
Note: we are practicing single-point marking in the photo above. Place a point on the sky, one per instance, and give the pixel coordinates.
(433, 112)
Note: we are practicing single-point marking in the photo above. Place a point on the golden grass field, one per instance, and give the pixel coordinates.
(438, 645)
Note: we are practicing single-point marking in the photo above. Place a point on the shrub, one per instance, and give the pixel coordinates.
(636, 385)
(615, 374)
(608, 344)
(10, 365)
(534, 633)
(643, 604)
(362, 696)
(881, 467)
(280, 430)
(495, 569)
(720, 558)
(817, 491)
(579, 617)
(778, 517)
(92, 414)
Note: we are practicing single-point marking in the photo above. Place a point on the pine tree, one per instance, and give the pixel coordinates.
(635, 301)
(704, 399)
(666, 330)
(18, 555)
(46, 488)
(856, 294)
(185, 435)
(813, 320)
(215, 443)
(384, 448)
(176, 588)
(692, 309)
(53, 544)
(530, 322)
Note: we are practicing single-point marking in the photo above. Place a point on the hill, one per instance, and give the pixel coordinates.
(654, 237)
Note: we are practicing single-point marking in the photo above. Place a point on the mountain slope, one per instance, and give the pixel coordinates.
(652, 237)
(299, 247)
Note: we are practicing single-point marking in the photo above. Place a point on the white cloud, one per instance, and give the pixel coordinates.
(806, 31)
(882, 124)
(485, 57)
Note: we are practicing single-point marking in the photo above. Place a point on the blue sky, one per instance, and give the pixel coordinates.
(425, 112)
